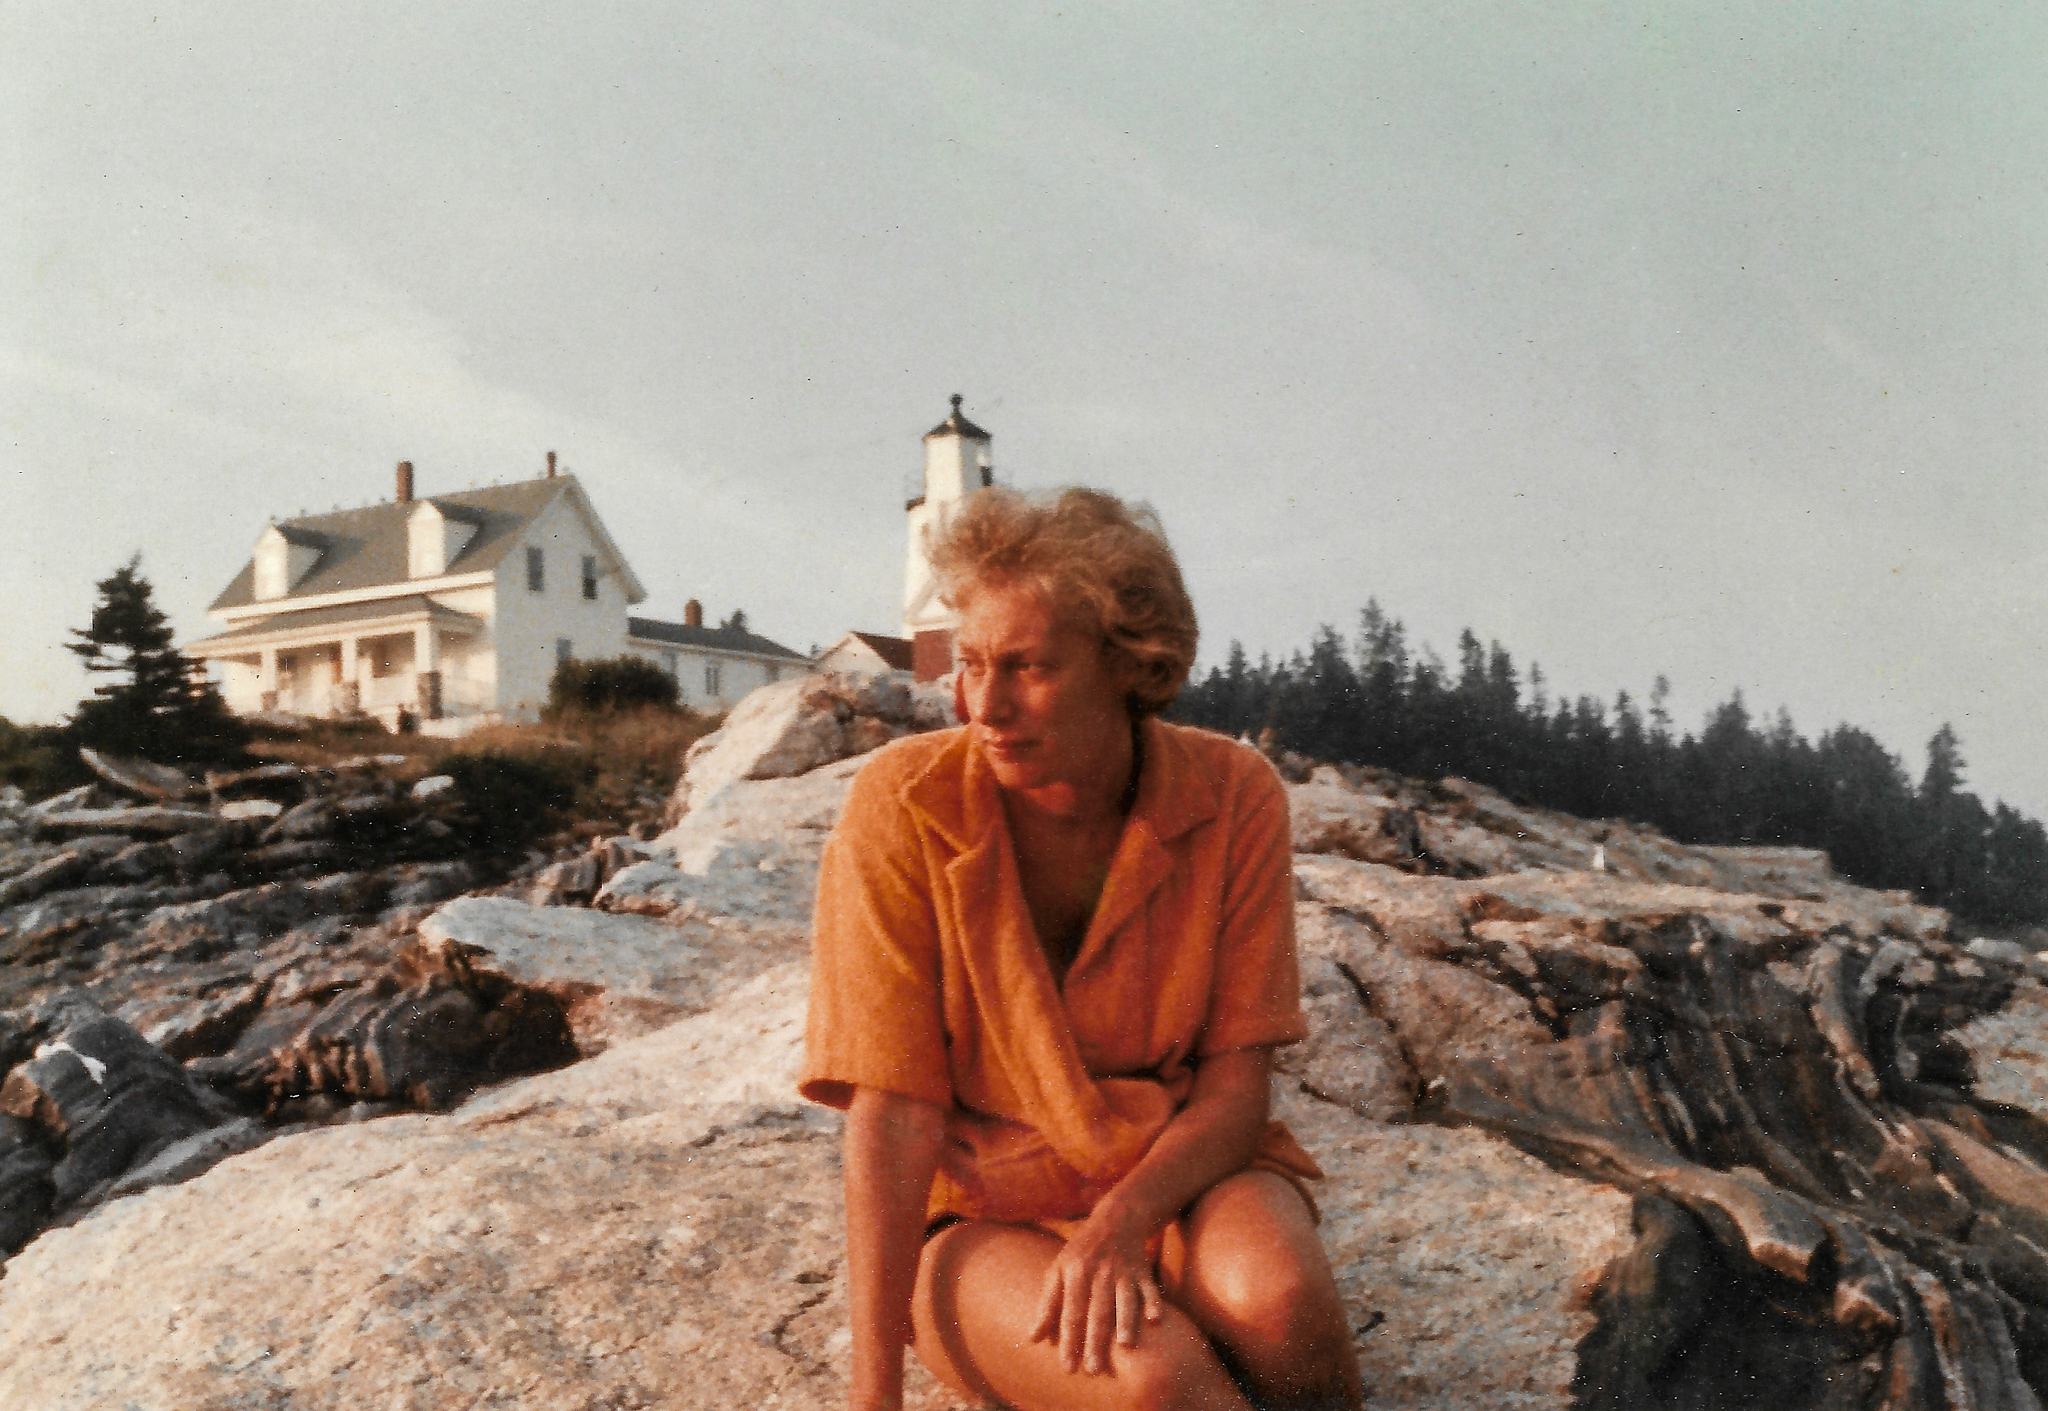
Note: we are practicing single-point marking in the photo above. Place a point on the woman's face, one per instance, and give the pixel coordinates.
(1044, 698)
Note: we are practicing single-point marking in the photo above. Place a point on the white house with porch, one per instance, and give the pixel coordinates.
(452, 610)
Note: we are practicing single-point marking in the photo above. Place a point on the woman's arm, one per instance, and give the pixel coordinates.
(1101, 1284)
(891, 1153)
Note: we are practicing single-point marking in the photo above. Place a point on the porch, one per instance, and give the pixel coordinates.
(413, 659)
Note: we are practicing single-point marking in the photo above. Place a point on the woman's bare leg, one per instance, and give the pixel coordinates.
(978, 1287)
(1254, 1277)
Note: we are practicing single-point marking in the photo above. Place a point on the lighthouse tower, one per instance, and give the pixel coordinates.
(956, 464)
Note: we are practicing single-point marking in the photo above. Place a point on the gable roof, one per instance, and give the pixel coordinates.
(726, 639)
(895, 652)
(366, 548)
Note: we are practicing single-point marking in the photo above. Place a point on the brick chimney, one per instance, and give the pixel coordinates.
(405, 482)
(551, 465)
(693, 613)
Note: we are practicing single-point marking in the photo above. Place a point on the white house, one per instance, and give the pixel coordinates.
(713, 666)
(453, 610)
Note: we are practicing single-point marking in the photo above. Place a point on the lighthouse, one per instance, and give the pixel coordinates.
(956, 464)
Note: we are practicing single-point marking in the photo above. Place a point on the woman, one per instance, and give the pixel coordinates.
(1053, 952)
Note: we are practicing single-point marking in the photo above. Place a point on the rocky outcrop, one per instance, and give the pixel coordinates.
(1609, 1122)
(179, 980)
(797, 725)
(1822, 1199)
(86, 1099)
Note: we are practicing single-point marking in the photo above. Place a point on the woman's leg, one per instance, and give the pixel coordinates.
(1255, 1278)
(978, 1286)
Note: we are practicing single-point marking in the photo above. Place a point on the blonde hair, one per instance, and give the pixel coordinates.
(1086, 553)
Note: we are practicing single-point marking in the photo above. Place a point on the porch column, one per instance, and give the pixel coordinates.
(426, 659)
(351, 701)
(266, 679)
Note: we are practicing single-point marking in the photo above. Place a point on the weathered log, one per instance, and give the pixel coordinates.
(152, 821)
(143, 778)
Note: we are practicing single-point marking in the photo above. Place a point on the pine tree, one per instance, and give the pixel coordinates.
(155, 703)
(1944, 777)
(1234, 704)
(1952, 821)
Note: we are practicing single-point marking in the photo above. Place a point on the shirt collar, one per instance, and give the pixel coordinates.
(956, 793)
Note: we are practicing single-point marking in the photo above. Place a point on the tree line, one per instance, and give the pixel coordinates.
(1379, 700)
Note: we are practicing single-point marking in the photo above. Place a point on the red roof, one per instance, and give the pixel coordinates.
(894, 651)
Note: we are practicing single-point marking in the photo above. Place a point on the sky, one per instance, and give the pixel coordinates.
(1701, 340)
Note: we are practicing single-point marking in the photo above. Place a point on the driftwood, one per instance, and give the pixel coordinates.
(145, 779)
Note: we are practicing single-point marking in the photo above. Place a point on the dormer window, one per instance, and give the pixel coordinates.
(436, 535)
(283, 556)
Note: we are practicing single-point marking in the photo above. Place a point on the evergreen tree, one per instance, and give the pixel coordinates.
(1741, 779)
(156, 703)
(1236, 689)
(1383, 731)
(1943, 779)
(1629, 796)
(1953, 821)
(1660, 712)
(1330, 687)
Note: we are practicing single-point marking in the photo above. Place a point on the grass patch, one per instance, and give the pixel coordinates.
(317, 743)
(595, 772)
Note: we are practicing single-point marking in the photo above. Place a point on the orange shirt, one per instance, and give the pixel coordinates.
(928, 978)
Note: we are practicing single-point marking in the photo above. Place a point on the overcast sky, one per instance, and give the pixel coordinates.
(1712, 344)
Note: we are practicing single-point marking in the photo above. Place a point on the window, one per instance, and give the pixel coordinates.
(562, 650)
(673, 662)
(710, 678)
(589, 576)
(536, 570)
(774, 672)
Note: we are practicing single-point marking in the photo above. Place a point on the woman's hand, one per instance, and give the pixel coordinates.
(1101, 1284)
(1100, 1287)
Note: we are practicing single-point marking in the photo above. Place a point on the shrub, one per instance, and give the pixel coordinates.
(40, 760)
(612, 683)
(509, 799)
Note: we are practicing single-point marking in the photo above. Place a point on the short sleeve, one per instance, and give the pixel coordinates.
(876, 1014)
(1255, 1000)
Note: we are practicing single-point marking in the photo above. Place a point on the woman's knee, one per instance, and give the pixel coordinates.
(1257, 1280)
(1276, 1315)
(976, 1284)
(1262, 1293)
(1173, 1368)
